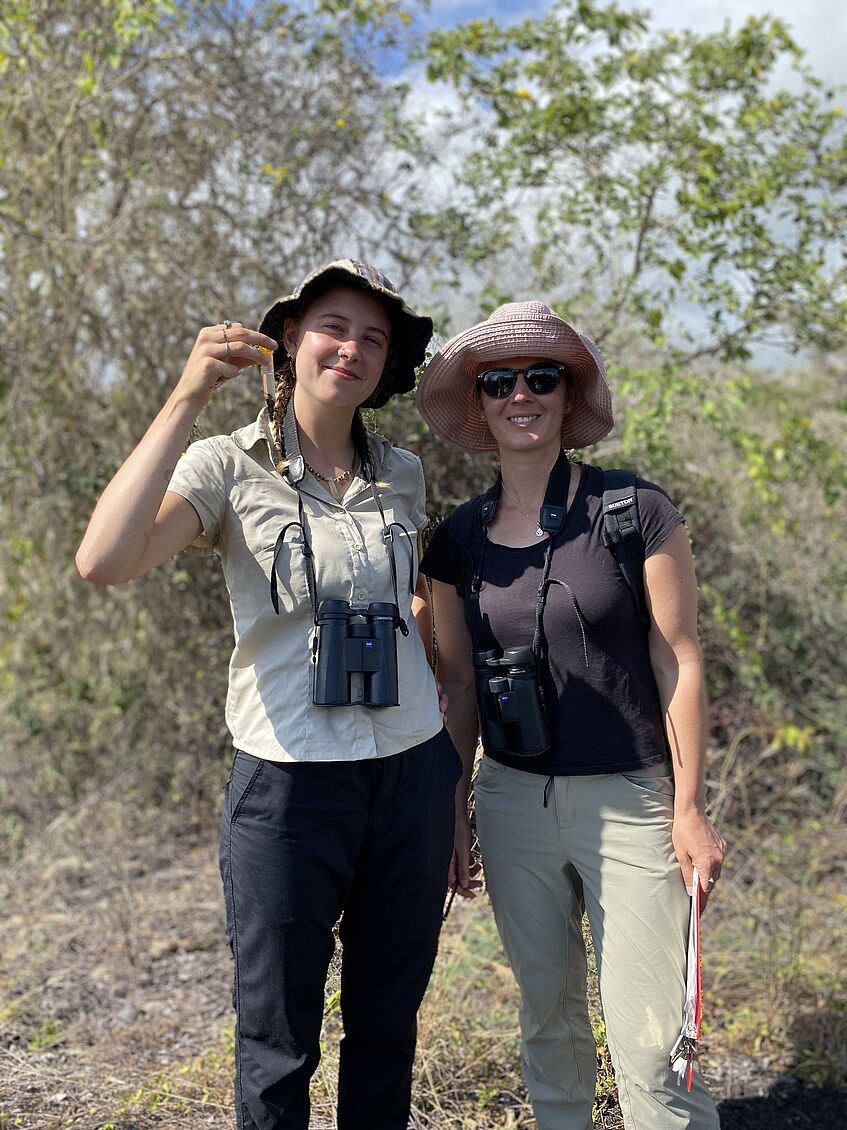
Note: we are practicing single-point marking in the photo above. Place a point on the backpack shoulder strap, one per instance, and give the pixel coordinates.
(622, 534)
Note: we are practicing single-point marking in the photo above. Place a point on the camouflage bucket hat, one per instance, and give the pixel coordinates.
(410, 332)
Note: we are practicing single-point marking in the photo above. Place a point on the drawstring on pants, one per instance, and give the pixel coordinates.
(547, 789)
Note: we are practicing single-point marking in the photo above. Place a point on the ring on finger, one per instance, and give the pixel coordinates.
(227, 324)
(228, 351)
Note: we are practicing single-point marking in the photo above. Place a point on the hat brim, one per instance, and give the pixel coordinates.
(410, 332)
(447, 397)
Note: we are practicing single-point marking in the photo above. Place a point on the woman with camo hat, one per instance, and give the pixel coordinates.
(340, 800)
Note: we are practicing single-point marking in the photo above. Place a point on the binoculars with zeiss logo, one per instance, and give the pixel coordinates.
(356, 654)
(510, 701)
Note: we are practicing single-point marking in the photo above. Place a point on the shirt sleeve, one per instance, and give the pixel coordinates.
(443, 560)
(659, 516)
(418, 511)
(404, 472)
(199, 478)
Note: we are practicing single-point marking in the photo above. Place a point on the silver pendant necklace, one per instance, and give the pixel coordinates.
(539, 533)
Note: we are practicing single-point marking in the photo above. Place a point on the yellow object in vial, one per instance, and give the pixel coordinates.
(267, 368)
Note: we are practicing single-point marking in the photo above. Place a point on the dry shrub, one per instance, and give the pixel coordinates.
(115, 981)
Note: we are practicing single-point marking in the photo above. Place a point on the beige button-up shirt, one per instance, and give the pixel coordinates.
(243, 504)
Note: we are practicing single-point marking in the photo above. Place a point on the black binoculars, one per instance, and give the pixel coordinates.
(511, 702)
(352, 642)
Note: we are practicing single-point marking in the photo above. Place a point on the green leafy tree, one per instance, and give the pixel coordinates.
(636, 174)
(162, 165)
(685, 207)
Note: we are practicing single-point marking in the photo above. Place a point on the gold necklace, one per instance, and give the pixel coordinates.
(334, 479)
(539, 533)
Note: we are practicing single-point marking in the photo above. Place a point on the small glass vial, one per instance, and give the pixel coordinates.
(267, 367)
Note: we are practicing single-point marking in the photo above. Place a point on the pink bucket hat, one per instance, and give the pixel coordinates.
(447, 397)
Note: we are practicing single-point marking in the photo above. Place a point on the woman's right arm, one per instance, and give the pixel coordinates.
(136, 524)
(454, 671)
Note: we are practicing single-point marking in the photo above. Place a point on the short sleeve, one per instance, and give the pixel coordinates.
(199, 478)
(443, 560)
(418, 511)
(659, 516)
(404, 472)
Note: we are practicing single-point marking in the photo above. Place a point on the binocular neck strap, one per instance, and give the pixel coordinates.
(308, 559)
(296, 470)
(551, 519)
(388, 542)
(554, 509)
(309, 562)
(539, 640)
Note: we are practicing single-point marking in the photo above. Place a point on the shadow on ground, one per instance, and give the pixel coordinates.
(786, 1108)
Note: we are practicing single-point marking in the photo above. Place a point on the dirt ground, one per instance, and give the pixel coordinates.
(114, 996)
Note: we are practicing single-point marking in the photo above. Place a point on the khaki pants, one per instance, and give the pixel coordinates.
(601, 842)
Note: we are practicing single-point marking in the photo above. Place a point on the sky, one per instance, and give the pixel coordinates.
(818, 26)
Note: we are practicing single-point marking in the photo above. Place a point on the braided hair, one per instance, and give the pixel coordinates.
(278, 405)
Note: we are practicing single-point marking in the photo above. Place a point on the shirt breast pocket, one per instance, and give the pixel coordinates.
(404, 542)
(286, 570)
(268, 543)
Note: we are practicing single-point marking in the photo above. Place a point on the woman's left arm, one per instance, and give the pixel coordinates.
(677, 663)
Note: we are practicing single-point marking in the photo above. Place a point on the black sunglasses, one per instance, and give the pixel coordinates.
(540, 379)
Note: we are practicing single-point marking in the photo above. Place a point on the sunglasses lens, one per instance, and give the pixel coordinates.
(497, 383)
(540, 379)
(543, 378)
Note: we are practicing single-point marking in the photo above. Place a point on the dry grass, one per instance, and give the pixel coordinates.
(114, 986)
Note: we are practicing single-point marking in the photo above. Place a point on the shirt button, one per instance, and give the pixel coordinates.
(360, 595)
(357, 545)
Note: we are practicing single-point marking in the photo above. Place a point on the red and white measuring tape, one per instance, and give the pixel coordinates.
(684, 1051)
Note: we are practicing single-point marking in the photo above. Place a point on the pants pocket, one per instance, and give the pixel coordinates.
(655, 780)
(246, 771)
(487, 771)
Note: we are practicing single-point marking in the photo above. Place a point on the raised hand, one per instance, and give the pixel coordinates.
(218, 355)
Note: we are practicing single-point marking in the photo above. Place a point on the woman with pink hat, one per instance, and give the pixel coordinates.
(565, 608)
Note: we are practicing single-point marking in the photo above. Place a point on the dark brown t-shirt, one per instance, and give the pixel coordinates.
(604, 718)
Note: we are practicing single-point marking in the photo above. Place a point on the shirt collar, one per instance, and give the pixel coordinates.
(260, 432)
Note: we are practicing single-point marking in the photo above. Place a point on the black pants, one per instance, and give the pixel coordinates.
(302, 845)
